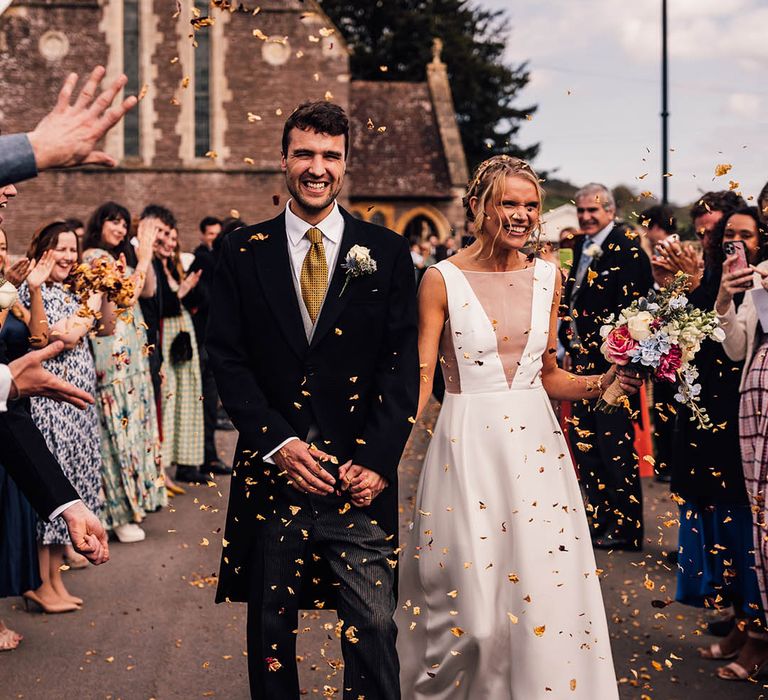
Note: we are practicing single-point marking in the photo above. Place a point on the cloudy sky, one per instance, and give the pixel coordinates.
(595, 75)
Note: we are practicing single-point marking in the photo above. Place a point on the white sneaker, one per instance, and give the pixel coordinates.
(130, 532)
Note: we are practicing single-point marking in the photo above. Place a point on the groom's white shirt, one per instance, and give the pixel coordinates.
(296, 229)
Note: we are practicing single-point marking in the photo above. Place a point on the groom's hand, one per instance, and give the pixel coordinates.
(298, 461)
(363, 484)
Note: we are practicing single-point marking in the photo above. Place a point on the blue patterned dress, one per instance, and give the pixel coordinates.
(72, 435)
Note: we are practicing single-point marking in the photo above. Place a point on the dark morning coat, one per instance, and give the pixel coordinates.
(623, 274)
(358, 380)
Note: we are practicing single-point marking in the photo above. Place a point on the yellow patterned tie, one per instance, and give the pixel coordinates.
(314, 274)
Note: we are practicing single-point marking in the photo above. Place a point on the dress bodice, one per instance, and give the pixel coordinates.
(497, 328)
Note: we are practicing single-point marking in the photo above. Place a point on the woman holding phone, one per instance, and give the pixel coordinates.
(745, 270)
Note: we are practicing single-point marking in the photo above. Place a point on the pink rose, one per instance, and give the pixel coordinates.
(617, 345)
(669, 364)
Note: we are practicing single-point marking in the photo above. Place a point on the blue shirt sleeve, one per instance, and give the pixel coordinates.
(17, 159)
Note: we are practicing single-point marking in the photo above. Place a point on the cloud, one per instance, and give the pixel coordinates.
(745, 105)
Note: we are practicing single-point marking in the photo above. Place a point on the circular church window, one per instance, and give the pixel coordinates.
(276, 50)
(53, 45)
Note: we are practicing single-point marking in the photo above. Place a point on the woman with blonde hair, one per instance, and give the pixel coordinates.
(499, 598)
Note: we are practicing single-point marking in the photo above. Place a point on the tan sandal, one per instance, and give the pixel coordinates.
(736, 672)
(715, 651)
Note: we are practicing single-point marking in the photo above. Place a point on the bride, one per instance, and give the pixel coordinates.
(499, 597)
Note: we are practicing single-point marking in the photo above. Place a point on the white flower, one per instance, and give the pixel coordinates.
(639, 325)
(593, 250)
(358, 262)
(718, 334)
(605, 330)
(8, 295)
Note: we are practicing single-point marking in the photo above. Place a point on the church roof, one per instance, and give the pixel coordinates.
(405, 160)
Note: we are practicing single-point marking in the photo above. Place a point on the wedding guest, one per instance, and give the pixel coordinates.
(610, 270)
(657, 224)
(19, 566)
(210, 228)
(71, 435)
(24, 452)
(746, 340)
(715, 549)
(182, 410)
(152, 306)
(130, 441)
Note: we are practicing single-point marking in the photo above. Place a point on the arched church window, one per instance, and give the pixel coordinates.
(131, 137)
(202, 57)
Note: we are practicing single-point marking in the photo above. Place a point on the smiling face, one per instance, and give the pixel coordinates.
(512, 215)
(64, 256)
(592, 215)
(6, 193)
(113, 232)
(166, 245)
(314, 172)
(741, 227)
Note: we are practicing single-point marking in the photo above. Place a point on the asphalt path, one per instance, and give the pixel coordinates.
(149, 627)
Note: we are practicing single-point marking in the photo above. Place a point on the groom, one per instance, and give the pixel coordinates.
(318, 369)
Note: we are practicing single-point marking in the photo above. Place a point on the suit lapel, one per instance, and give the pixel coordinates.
(273, 267)
(335, 301)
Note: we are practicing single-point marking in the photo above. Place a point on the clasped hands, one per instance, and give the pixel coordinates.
(300, 463)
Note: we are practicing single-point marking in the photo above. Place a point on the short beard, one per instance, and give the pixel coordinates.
(310, 206)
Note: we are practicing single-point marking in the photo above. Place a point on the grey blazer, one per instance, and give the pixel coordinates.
(17, 159)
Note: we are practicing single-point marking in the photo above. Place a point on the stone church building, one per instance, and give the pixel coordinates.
(217, 80)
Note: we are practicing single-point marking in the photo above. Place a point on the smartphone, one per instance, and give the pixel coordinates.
(566, 258)
(738, 249)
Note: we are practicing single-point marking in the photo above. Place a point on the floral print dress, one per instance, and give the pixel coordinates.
(71, 434)
(130, 443)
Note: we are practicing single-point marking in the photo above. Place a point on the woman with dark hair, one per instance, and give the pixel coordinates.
(130, 442)
(182, 410)
(747, 340)
(71, 434)
(715, 560)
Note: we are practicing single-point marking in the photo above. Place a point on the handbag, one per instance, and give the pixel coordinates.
(181, 348)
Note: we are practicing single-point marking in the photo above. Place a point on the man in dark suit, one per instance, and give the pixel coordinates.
(210, 228)
(609, 271)
(313, 359)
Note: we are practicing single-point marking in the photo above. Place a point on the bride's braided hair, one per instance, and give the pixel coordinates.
(487, 185)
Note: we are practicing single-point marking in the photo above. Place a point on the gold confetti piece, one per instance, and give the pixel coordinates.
(185, 81)
(722, 169)
(457, 631)
(204, 542)
(344, 508)
(591, 277)
(512, 618)
(143, 92)
(573, 684)
(539, 631)
(513, 578)
(109, 659)
(452, 594)
(337, 331)
(381, 129)
(248, 160)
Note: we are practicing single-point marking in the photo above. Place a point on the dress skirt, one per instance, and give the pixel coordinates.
(499, 596)
(182, 412)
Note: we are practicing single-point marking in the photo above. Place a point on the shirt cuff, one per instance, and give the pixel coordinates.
(17, 159)
(268, 457)
(56, 513)
(5, 386)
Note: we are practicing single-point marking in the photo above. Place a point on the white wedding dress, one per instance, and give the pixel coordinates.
(499, 598)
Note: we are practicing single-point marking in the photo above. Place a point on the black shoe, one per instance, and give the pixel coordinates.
(721, 628)
(217, 467)
(609, 542)
(190, 475)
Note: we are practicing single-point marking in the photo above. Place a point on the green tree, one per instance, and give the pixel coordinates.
(397, 35)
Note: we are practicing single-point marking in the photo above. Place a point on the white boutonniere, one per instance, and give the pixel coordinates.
(8, 294)
(594, 251)
(357, 263)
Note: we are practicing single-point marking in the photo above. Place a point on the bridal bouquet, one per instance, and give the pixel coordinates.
(104, 275)
(660, 335)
